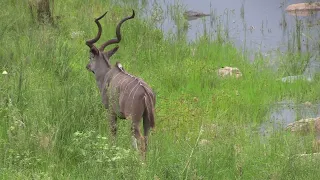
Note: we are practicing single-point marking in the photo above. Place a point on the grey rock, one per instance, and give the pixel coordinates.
(192, 15)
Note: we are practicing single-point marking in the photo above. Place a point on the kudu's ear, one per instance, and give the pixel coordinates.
(94, 50)
(112, 51)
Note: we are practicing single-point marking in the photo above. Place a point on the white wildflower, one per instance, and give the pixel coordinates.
(4, 72)
(77, 133)
(103, 137)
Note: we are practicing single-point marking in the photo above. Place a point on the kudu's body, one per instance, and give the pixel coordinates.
(124, 95)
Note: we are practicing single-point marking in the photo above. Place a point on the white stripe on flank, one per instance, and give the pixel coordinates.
(134, 94)
(122, 81)
(128, 84)
(115, 76)
(133, 89)
(147, 89)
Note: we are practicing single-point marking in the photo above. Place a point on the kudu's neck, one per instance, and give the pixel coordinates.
(101, 78)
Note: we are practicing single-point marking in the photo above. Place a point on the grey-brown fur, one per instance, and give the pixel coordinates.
(125, 96)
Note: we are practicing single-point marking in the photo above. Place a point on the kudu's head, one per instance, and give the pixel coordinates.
(99, 62)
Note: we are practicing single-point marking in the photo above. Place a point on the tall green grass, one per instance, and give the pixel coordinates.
(53, 125)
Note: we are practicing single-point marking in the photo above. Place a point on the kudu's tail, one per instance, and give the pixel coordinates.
(149, 101)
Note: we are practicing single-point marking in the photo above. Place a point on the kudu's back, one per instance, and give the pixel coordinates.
(130, 96)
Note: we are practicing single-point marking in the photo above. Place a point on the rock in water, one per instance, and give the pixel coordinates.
(303, 9)
(192, 15)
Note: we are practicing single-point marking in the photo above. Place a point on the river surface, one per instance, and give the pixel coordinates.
(253, 26)
(286, 112)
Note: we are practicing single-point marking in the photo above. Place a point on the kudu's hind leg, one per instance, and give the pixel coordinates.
(146, 129)
(137, 135)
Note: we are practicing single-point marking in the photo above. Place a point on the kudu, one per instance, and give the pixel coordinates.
(123, 95)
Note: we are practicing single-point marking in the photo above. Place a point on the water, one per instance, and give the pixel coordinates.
(286, 112)
(252, 24)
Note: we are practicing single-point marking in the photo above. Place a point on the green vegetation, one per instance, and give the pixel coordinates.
(53, 125)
